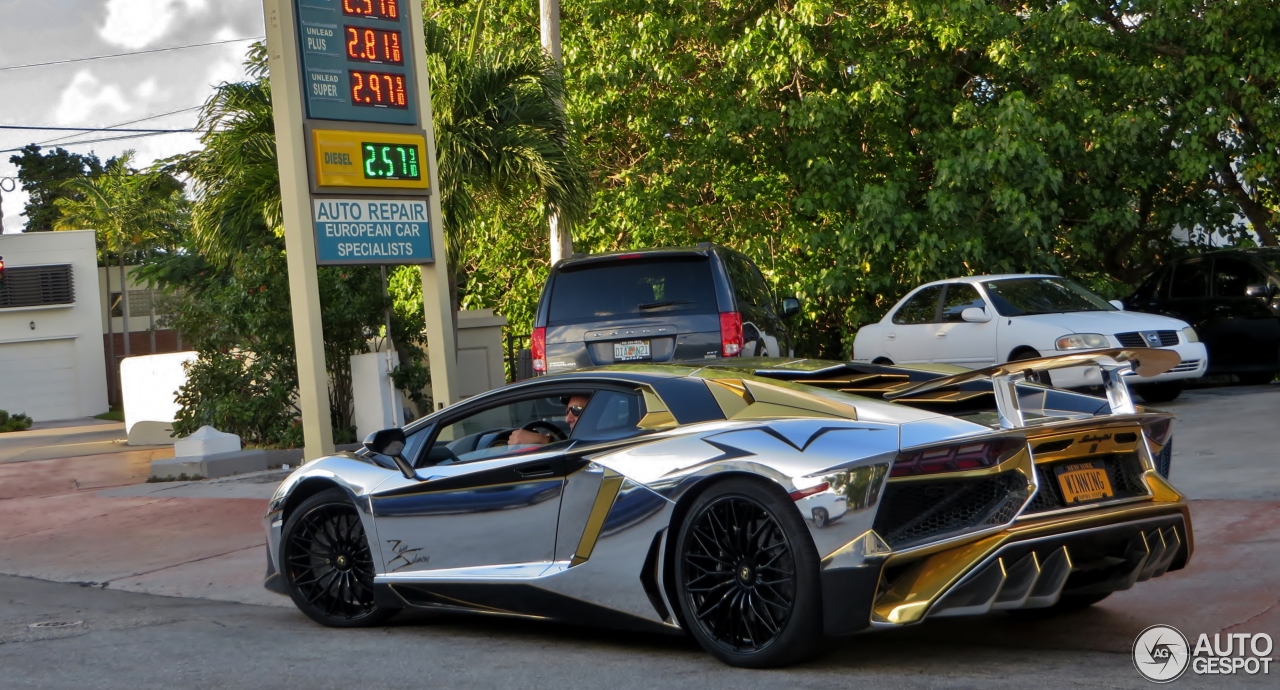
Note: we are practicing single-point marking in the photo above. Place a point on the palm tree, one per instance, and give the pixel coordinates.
(130, 210)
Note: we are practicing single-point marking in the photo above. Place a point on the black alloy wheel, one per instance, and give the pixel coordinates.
(327, 564)
(747, 574)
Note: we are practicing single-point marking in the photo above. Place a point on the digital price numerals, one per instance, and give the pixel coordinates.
(374, 45)
(390, 161)
(378, 89)
(372, 9)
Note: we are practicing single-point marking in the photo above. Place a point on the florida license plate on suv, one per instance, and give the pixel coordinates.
(1084, 481)
(631, 350)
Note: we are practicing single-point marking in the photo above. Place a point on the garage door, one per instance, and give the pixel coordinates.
(39, 379)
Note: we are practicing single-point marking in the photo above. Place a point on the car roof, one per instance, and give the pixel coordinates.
(577, 260)
(994, 276)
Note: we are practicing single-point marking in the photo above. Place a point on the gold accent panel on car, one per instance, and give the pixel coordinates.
(656, 413)
(741, 399)
(1101, 440)
(609, 488)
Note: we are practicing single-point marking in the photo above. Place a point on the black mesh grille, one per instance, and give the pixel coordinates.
(1136, 339)
(1164, 461)
(915, 511)
(34, 286)
(1123, 469)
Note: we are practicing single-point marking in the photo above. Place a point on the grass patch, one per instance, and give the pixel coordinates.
(180, 478)
(115, 414)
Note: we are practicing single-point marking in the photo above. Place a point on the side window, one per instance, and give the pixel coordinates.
(1190, 280)
(960, 297)
(610, 415)
(487, 434)
(921, 308)
(1150, 288)
(1232, 276)
(748, 283)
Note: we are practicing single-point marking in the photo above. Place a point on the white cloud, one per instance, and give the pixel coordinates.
(85, 98)
(136, 23)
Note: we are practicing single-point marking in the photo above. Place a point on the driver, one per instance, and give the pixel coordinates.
(572, 411)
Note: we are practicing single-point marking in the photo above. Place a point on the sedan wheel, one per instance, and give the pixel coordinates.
(748, 577)
(327, 563)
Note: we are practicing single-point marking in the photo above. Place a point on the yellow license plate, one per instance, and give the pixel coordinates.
(1082, 482)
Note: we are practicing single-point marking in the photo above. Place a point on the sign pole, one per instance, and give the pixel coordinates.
(443, 348)
(304, 284)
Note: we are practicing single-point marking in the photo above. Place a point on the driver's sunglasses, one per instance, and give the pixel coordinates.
(575, 410)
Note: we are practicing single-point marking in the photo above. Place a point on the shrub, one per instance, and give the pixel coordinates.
(15, 422)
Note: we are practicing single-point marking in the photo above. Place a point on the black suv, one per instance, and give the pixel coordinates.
(1232, 299)
(657, 305)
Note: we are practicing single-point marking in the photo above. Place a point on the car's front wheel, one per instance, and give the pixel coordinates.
(327, 565)
(747, 574)
(1159, 392)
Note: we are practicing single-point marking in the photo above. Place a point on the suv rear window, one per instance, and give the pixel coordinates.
(633, 287)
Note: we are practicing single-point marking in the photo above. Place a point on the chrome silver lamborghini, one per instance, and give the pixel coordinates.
(757, 505)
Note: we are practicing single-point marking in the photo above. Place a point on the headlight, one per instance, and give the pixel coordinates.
(1190, 334)
(1081, 341)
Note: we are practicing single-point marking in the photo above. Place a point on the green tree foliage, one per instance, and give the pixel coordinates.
(130, 210)
(42, 176)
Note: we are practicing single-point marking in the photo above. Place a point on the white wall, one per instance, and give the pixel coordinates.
(79, 324)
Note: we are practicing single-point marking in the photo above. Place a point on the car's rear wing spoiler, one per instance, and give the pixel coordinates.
(1116, 365)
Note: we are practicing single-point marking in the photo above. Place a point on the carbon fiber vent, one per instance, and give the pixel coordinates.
(914, 511)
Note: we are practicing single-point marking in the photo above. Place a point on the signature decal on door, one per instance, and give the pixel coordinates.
(405, 556)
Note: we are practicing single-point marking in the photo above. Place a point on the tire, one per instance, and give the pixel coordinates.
(327, 565)
(735, 535)
(1254, 378)
(1022, 353)
(1159, 392)
(1067, 603)
(883, 360)
(820, 517)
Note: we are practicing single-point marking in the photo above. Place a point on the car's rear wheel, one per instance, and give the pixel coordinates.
(1159, 392)
(821, 517)
(327, 564)
(747, 575)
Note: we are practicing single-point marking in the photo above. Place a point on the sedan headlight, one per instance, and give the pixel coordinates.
(1189, 334)
(1082, 341)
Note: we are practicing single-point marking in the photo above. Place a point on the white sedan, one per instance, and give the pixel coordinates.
(982, 321)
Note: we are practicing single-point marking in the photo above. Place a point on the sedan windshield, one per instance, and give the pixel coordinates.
(1027, 296)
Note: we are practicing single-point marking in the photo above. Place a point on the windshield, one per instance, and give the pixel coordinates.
(1027, 296)
(1273, 260)
(633, 287)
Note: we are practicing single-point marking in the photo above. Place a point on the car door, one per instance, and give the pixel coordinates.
(909, 335)
(1242, 331)
(960, 342)
(761, 326)
(478, 502)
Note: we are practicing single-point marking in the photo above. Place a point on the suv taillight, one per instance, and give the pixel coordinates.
(956, 458)
(730, 334)
(538, 349)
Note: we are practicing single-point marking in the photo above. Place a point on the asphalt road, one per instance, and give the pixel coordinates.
(127, 640)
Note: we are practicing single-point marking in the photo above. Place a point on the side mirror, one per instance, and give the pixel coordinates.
(1117, 304)
(790, 306)
(391, 442)
(1258, 291)
(975, 315)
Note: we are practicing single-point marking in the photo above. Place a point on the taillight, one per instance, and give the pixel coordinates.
(956, 458)
(797, 495)
(538, 348)
(1159, 431)
(730, 334)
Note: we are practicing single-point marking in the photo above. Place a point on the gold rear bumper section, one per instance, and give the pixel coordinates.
(1033, 562)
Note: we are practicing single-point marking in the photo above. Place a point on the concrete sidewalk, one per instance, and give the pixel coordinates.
(92, 520)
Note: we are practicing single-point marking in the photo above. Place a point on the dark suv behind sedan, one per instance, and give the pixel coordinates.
(657, 305)
(1232, 300)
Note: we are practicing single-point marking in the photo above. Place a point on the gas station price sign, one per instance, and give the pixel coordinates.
(354, 64)
(369, 160)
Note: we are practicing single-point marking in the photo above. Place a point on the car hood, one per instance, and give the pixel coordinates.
(1106, 322)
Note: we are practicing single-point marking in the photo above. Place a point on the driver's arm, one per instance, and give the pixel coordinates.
(526, 437)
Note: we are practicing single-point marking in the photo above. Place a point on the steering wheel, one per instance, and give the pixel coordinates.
(551, 429)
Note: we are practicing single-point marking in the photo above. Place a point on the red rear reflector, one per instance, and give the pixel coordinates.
(797, 495)
(538, 348)
(730, 334)
(630, 256)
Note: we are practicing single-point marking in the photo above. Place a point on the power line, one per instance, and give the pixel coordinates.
(90, 129)
(136, 52)
(121, 124)
(95, 141)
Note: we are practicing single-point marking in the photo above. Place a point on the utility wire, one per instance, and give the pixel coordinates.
(136, 52)
(92, 129)
(95, 141)
(121, 124)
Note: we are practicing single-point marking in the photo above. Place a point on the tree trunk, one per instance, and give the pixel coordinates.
(124, 304)
(111, 342)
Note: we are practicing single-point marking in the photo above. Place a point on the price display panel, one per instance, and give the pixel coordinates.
(357, 60)
(378, 160)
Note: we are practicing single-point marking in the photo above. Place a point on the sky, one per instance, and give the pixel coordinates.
(101, 93)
